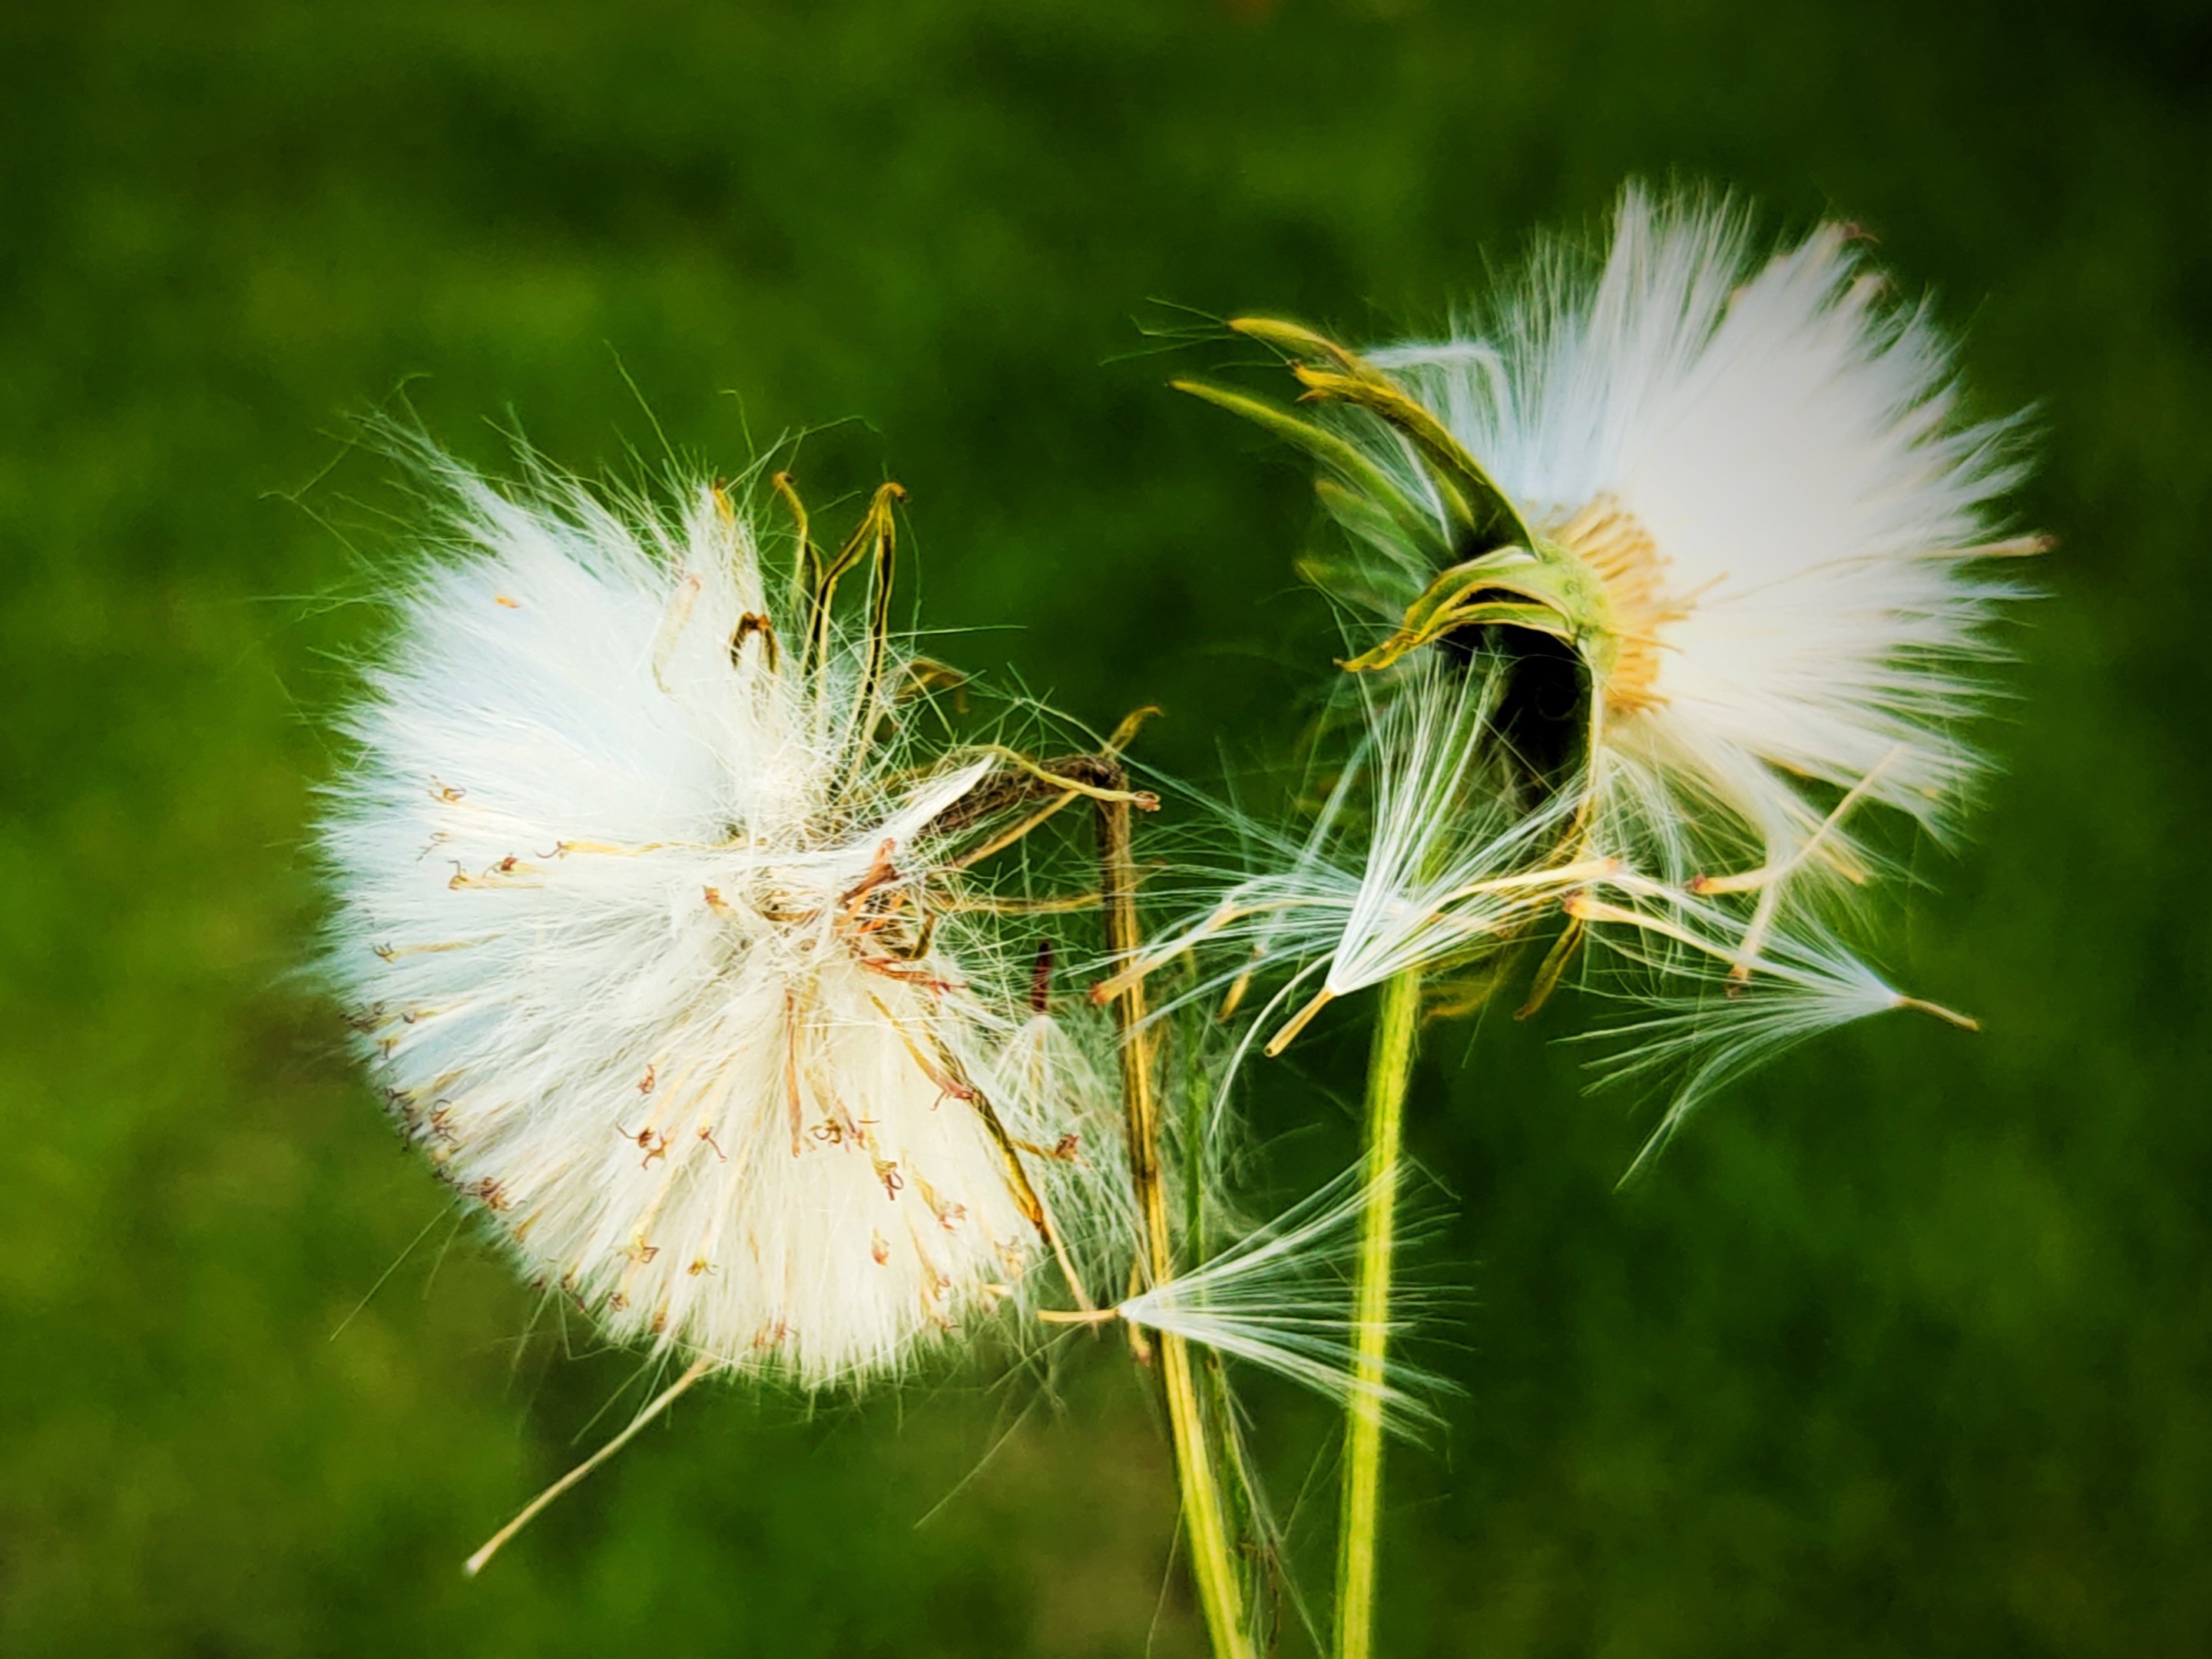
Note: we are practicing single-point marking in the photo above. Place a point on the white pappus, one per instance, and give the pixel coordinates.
(665, 935)
(1762, 465)
(1737, 496)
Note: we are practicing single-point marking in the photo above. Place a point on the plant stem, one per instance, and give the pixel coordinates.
(1390, 1063)
(667, 1398)
(1204, 1515)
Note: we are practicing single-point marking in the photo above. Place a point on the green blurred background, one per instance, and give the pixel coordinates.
(1905, 1350)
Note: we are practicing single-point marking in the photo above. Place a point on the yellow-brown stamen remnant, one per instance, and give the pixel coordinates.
(1618, 548)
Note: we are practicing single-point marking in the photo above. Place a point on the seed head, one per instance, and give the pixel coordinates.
(664, 943)
(1735, 500)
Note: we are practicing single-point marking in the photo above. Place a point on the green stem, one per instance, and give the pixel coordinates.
(1390, 1063)
(1205, 1516)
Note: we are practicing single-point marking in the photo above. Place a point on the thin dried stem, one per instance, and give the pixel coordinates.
(1007, 837)
(1204, 1514)
(538, 1504)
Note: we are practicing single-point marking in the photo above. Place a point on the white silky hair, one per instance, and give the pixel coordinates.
(1426, 855)
(1278, 1298)
(1443, 833)
(618, 878)
(1702, 1022)
(1421, 855)
(1791, 446)
(1786, 445)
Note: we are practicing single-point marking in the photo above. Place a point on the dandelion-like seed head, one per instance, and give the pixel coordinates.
(1737, 498)
(664, 933)
(1739, 491)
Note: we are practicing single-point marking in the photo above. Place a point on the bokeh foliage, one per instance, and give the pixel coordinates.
(1905, 1348)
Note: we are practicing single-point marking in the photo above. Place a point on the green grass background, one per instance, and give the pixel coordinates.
(1905, 1350)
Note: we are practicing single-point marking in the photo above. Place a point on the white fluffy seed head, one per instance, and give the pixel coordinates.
(655, 931)
(1736, 497)
(1764, 463)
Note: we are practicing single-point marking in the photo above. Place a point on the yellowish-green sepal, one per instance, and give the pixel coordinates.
(1361, 475)
(1546, 590)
